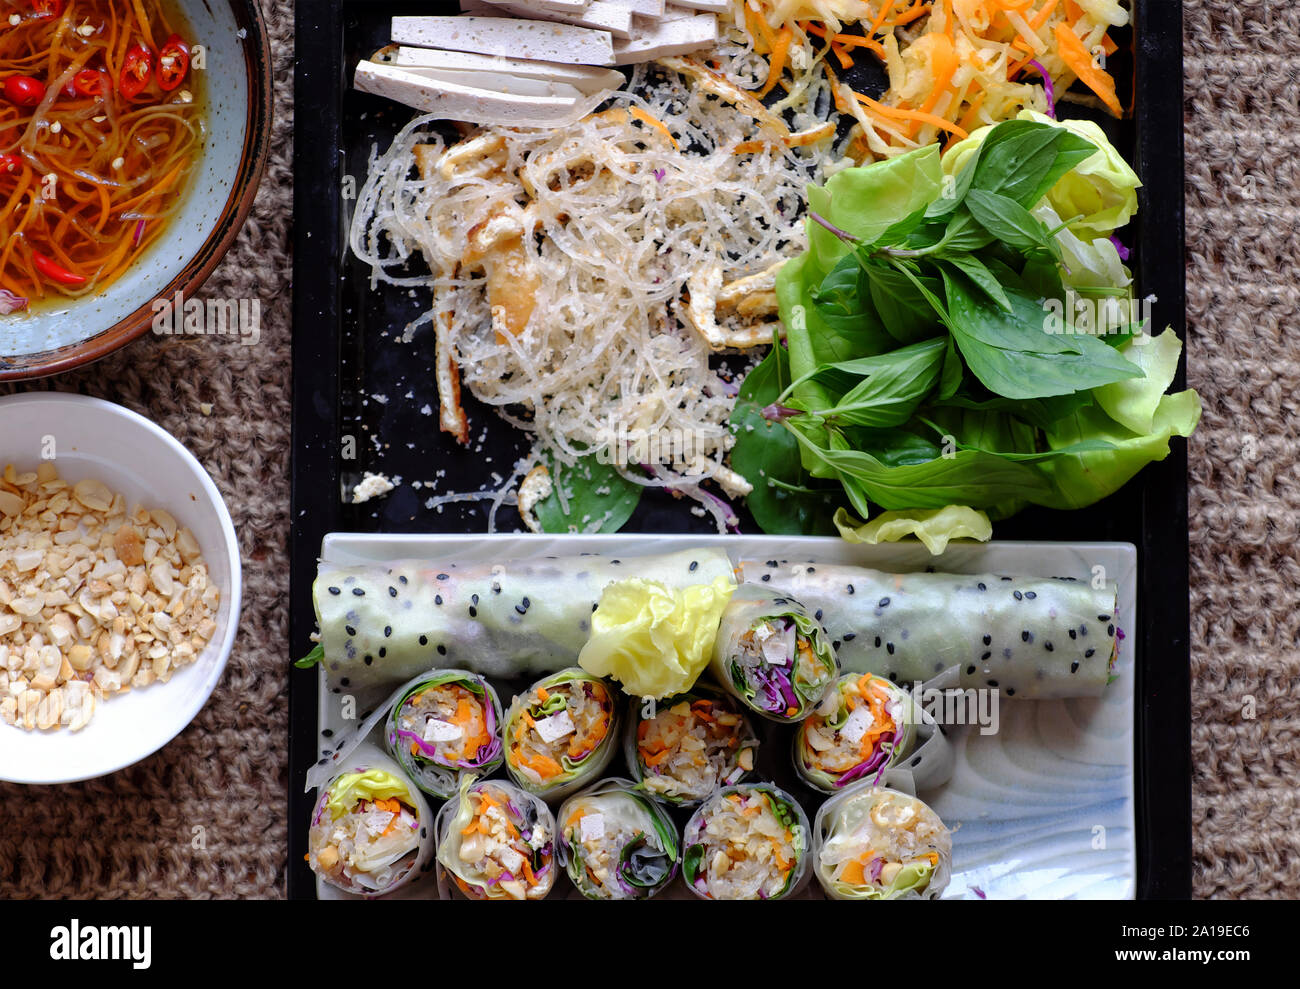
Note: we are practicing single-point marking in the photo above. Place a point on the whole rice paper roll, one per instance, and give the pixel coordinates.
(1028, 637)
(873, 843)
(747, 842)
(372, 830)
(444, 726)
(864, 726)
(616, 843)
(384, 623)
(683, 748)
(497, 842)
(772, 655)
(561, 733)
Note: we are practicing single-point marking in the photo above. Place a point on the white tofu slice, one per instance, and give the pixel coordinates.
(642, 8)
(563, 6)
(716, 6)
(454, 101)
(587, 78)
(668, 38)
(540, 40)
(498, 82)
(599, 15)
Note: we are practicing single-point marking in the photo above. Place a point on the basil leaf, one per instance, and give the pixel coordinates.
(768, 456)
(892, 384)
(975, 269)
(905, 313)
(691, 862)
(1008, 221)
(1014, 355)
(594, 491)
(312, 658)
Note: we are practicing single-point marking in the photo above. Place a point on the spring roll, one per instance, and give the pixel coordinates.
(383, 623)
(371, 831)
(747, 842)
(864, 726)
(497, 842)
(772, 655)
(561, 733)
(878, 844)
(443, 726)
(682, 749)
(1028, 637)
(617, 843)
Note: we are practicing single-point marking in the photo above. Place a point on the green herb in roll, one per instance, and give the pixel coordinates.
(879, 844)
(444, 726)
(773, 656)
(561, 733)
(746, 842)
(616, 843)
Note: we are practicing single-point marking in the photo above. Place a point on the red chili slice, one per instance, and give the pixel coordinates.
(24, 90)
(47, 8)
(55, 271)
(90, 82)
(173, 63)
(10, 163)
(137, 70)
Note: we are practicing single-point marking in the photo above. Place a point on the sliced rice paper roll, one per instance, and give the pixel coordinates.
(772, 655)
(863, 726)
(1028, 637)
(747, 842)
(616, 843)
(444, 726)
(683, 748)
(561, 733)
(384, 623)
(873, 843)
(497, 842)
(372, 830)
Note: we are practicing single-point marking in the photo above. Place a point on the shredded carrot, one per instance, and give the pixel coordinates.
(842, 55)
(651, 121)
(780, 50)
(1079, 59)
(1040, 18)
(885, 9)
(542, 694)
(899, 113)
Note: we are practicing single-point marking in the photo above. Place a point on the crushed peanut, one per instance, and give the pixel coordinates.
(93, 600)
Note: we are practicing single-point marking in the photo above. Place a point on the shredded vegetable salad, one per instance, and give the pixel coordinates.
(691, 745)
(953, 65)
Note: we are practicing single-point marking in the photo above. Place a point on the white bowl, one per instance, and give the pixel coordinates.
(97, 439)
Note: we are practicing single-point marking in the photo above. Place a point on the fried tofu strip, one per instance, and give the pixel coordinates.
(752, 297)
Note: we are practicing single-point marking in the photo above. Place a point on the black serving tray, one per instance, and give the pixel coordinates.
(345, 352)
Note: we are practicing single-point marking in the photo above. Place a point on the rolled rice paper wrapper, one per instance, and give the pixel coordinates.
(356, 843)
(616, 843)
(680, 776)
(569, 723)
(517, 864)
(865, 726)
(425, 744)
(383, 623)
(874, 843)
(721, 827)
(1028, 637)
(428, 777)
(772, 655)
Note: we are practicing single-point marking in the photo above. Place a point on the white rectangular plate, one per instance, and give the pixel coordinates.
(1042, 809)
